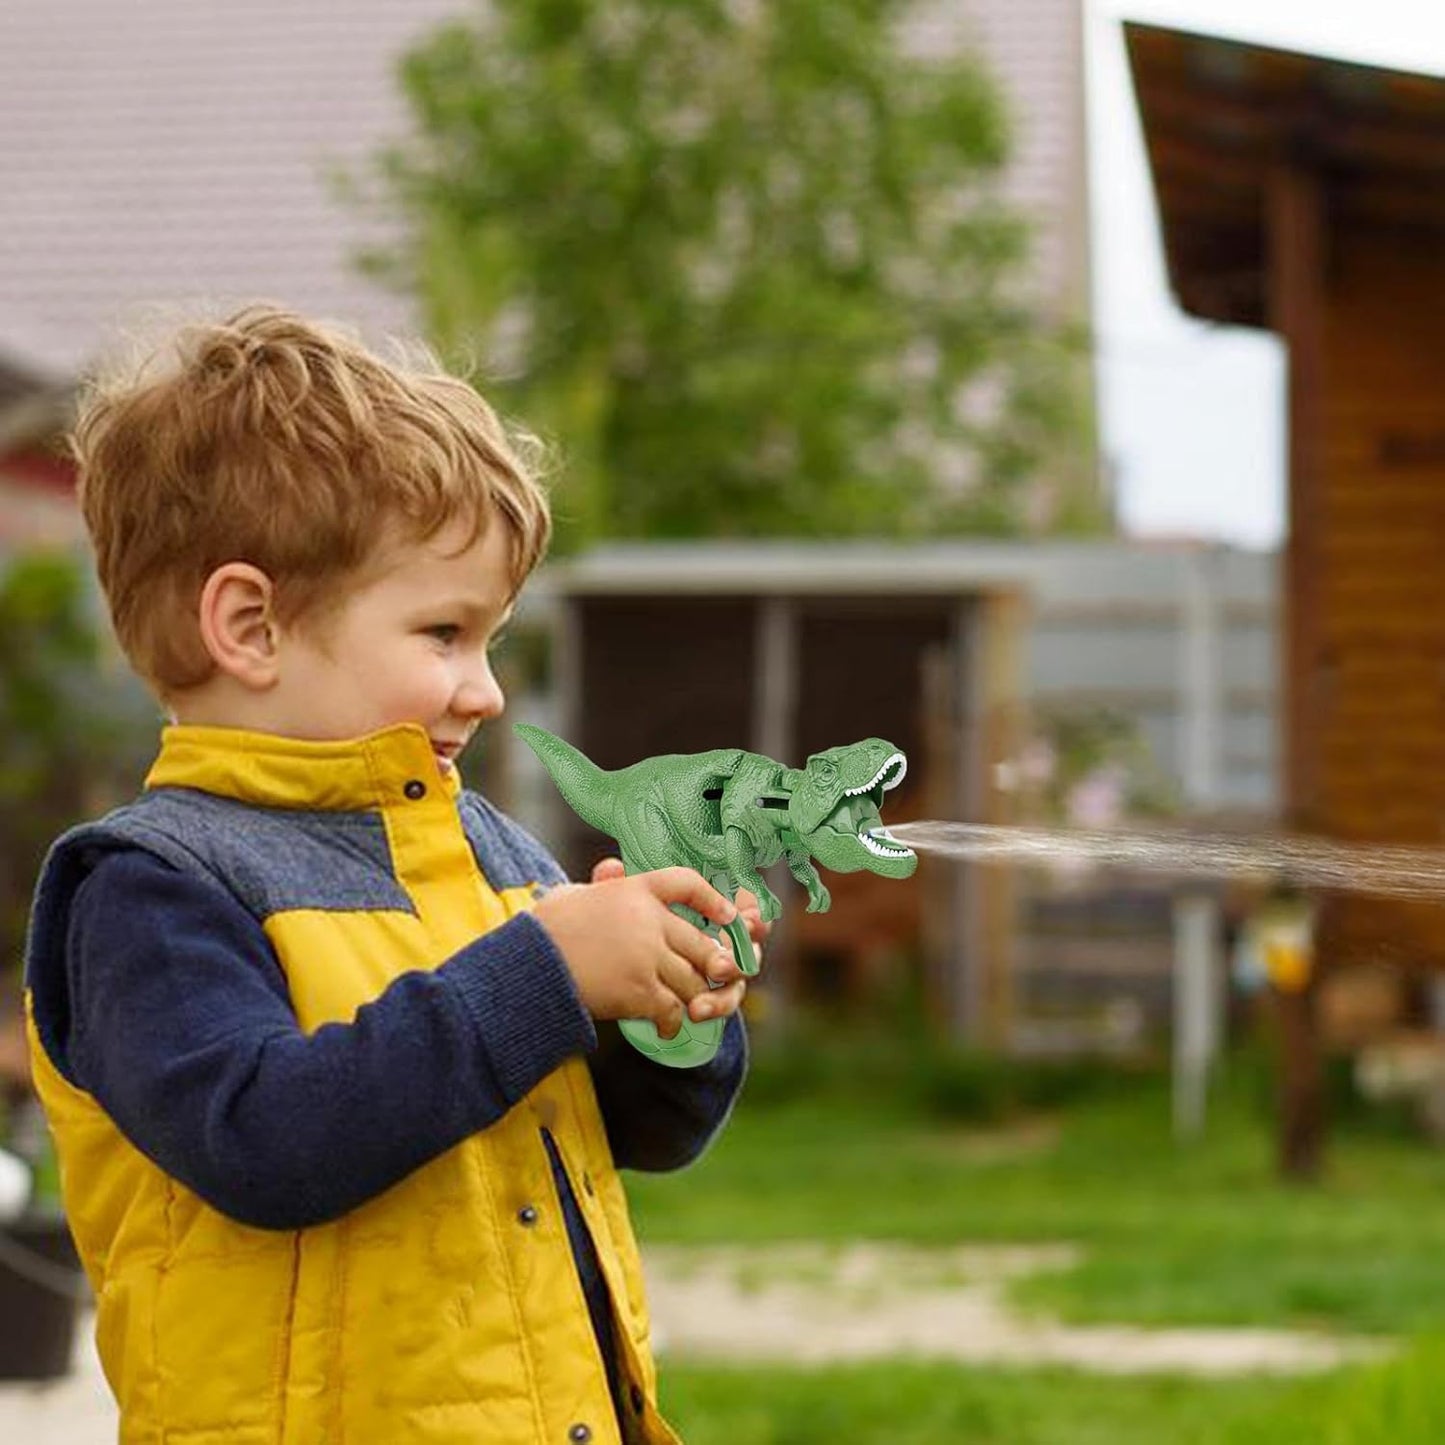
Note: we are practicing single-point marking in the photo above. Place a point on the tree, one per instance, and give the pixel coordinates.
(73, 732)
(744, 260)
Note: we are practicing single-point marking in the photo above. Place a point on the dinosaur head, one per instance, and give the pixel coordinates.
(833, 807)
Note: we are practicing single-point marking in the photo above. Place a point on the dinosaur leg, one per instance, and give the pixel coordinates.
(742, 864)
(800, 865)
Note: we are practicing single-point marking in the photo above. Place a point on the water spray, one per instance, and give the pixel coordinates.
(1274, 860)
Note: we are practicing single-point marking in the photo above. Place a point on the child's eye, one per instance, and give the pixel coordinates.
(444, 632)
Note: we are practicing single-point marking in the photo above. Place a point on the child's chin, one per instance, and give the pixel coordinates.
(446, 764)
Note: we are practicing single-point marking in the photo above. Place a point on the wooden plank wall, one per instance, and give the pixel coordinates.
(1374, 693)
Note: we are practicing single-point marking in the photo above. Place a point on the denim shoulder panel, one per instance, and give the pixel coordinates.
(272, 859)
(508, 855)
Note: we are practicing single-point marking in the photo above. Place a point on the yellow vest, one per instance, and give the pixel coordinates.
(447, 1309)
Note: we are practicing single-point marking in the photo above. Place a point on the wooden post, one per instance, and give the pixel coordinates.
(774, 735)
(1196, 1006)
(1295, 215)
(985, 657)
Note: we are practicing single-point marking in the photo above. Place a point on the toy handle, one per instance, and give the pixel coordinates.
(694, 1043)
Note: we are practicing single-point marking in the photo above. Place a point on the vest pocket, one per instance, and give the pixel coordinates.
(219, 1319)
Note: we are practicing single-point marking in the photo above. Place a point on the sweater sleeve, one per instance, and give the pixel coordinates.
(180, 1025)
(660, 1118)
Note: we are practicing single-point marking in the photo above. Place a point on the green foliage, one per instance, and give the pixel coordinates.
(68, 728)
(1079, 750)
(747, 261)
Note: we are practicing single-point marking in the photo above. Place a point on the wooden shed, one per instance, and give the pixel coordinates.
(1306, 195)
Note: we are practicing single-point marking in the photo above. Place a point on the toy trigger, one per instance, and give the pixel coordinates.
(743, 951)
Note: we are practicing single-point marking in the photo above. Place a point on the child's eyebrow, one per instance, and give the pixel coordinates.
(474, 608)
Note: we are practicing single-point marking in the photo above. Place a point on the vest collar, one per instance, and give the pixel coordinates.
(278, 772)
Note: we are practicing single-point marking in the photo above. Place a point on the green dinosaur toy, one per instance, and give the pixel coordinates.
(729, 814)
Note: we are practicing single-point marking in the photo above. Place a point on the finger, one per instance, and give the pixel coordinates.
(717, 1003)
(723, 967)
(607, 869)
(699, 951)
(688, 886)
(668, 1016)
(725, 970)
(695, 953)
(680, 978)
(752, 913)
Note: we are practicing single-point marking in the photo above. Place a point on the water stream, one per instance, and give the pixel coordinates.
(1389, 870)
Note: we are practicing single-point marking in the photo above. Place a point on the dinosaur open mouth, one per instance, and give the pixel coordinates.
(872, 840)
(888, 776)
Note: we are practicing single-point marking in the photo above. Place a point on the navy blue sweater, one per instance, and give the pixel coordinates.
(179, 1024)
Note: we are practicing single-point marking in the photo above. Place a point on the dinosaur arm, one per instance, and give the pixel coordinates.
(752, 776)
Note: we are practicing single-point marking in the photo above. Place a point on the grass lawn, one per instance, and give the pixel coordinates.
(937, 1405)
(1197, 1234)
(1399, 1404)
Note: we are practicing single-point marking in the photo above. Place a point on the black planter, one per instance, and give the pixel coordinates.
(41, 1287)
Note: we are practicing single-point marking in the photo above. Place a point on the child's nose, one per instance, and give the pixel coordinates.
(480, 694)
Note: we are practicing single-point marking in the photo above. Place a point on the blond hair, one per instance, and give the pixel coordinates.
(274, 440)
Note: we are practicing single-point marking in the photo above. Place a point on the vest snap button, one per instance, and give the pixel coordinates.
(580, 1434)
(527, 1214)
(414, 789)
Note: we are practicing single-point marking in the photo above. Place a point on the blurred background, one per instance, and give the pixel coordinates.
(1048, 386)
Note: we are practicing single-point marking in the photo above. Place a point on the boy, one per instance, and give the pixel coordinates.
(316, 1046)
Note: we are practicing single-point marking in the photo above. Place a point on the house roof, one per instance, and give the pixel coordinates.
(181, 150)
(1108, 572)
(1220, 116)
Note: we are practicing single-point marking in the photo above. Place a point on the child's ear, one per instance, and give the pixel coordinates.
(238, 624)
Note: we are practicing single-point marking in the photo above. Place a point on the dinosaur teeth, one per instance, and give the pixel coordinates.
(897, 759)
(874, 846)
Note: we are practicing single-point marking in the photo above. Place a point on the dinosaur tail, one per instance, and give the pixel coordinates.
(580, 781)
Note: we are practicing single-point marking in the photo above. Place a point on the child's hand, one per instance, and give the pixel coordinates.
(632, 957)
(720, 1000)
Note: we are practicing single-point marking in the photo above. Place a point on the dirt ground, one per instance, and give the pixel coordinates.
(865, 1301)
(814, 1304)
